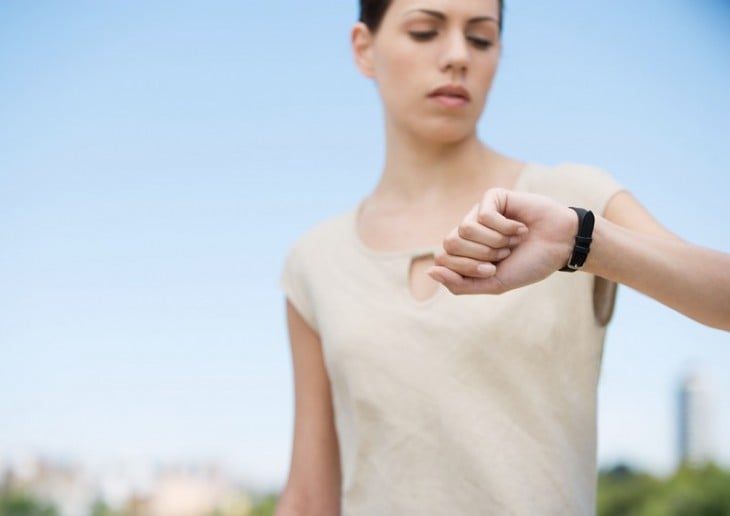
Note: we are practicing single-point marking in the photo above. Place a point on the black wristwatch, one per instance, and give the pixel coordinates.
(583, 240)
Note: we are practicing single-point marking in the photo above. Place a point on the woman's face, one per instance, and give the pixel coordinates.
(434, 62)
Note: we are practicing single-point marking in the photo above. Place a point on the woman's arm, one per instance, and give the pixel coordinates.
(313, 486)
(629, 247)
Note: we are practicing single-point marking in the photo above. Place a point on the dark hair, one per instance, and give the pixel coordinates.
(373, 11)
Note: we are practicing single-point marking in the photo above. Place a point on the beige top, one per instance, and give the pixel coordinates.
(457, 404)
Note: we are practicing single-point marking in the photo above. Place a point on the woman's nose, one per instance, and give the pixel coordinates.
(456, 53)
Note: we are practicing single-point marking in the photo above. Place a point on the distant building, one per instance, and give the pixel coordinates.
(695, 425)
(127, 488)
(193, 492)
(64, 485)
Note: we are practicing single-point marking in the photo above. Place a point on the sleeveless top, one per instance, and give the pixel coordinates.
(466, 405)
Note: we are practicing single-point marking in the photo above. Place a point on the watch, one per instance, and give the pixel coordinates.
(583, 240)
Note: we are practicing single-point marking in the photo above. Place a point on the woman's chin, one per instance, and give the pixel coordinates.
(446, 133)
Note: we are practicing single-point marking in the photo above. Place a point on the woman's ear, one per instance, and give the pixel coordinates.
(362, 49)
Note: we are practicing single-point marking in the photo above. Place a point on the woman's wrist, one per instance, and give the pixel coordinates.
(593, 262)
(582, 241)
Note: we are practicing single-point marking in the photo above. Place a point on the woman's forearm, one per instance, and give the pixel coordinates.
(690, 279)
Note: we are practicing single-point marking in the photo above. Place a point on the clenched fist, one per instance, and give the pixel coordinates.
(508, 240)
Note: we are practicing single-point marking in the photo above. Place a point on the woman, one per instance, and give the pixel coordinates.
(412, 400)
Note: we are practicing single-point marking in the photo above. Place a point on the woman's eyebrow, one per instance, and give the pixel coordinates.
(441, 16)
(480, 19)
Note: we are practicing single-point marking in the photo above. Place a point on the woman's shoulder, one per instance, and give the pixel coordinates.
(567, 171)
(326, 234)
(572, 183)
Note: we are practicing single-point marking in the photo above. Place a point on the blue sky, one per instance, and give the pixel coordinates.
(157, 160)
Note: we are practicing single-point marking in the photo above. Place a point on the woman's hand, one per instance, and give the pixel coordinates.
(509, 240)
(513, 239)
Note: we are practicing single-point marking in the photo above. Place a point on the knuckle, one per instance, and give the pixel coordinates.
(486, 218)
(451, 243)
(466, 230)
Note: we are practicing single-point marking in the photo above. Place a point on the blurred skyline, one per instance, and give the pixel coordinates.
(158, 159)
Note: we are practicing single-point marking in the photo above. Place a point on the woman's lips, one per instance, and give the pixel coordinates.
(449, 101)
(450, 96)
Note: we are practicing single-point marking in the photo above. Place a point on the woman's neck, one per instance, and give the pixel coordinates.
(417, 170)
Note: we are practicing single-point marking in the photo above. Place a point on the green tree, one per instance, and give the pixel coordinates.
(690, 491)
(23, 504)
(265, 507)
(694, 491)
(623, 491)
(100, 508)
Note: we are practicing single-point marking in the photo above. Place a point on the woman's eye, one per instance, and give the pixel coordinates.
(423, 35)
(480, 43)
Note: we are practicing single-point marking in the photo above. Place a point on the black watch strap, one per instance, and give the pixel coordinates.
(583, 240)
